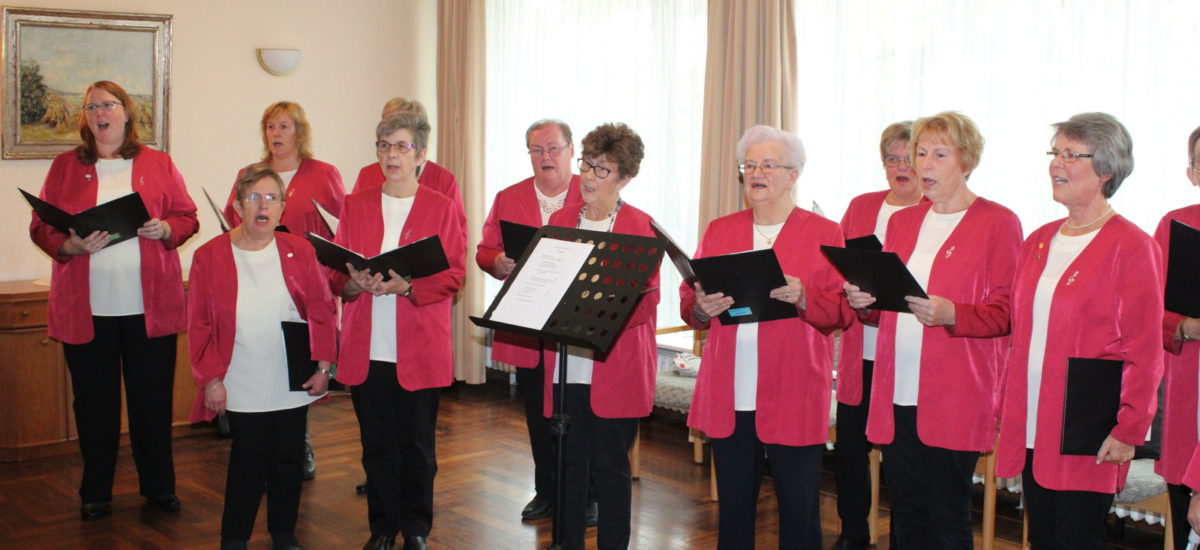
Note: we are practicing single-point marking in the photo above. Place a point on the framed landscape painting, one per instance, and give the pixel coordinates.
(50, 58)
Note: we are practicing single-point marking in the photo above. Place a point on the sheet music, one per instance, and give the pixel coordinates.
(541, 283)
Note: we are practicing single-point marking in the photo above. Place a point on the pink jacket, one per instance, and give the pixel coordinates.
(795, 356)
(956, 397)
(1181, 364)
(313, 180)
(424, 352)
(212, 311)
(1108, 305)
(858, 221)
(72, 186)
(623, 380)
(516, 203)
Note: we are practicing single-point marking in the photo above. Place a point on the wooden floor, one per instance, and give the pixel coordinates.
(485, 477)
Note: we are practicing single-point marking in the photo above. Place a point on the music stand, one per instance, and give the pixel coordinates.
(602, 291)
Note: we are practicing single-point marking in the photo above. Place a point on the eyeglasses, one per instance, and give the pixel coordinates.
(108, 106)
(402, 147)
(554, 150)
(767, 168)
(892, 160)
(269, 198)
(600, 171)
(1069, 156)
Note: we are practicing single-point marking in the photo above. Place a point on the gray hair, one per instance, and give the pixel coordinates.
(1192, 139)
(250, 175)
(763, 133)
(1111, 145)
(894, 133)
(412, 121)
(566, 129)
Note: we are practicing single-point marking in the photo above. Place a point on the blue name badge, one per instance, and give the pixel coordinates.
(739, 312)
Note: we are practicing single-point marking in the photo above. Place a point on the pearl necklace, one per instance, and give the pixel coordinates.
(1089, 224)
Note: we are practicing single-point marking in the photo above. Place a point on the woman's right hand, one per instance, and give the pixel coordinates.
(1193, 513)
(214, 396)
(710, 305)
(362, 281)
(856, 297)
(78, 246)
(504, 266)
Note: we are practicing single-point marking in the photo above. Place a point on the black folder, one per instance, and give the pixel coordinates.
(221, 219)
(120, 217)
(880, 274)
(867, 242)
(683, 264)
(416, 259)
(1090, 404)
(516, 237)
(300, 364)
(747, 277)
(1183, 263)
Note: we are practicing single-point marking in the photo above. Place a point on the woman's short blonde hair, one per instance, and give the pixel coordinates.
(957, 130)
(303, 131)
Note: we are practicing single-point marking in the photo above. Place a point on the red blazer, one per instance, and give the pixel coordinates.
(956, 398)
(1181, 364)
(313, 180)
(795, 356)
(212, 311)
(1191, 477)
(623, 380)
(516, 203)
(433, 176)
(72, 186)
(1108, 305)
(424, 352)
(858, 221)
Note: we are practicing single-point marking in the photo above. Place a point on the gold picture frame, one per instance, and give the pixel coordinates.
(50, 57)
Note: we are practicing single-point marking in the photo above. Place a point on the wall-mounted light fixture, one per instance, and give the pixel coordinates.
(278, 62)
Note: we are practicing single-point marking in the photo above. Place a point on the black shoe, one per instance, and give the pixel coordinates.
(851, 543)
(592, 516)
(168, 503)
(538, 508)
(415, 543)
(285, 541)
(92, 511)
(233, 544)
(380, 542)
(310, 461)
(361, 488)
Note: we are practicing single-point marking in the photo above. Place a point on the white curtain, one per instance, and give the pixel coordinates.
(1015, 67)
(588, 63)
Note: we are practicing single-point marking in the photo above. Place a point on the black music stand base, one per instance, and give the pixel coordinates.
(560, 426)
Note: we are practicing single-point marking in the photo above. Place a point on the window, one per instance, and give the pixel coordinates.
(587, 63)
(1014, 67)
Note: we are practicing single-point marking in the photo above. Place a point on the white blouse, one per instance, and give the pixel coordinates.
(115, 273)
(383, 308)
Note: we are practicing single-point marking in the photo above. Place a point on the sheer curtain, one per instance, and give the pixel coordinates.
(587, 63)
(1015, 67)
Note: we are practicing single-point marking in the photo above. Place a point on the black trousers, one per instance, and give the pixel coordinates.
(266, 455)
(397, 429)
(596, 449)
(1180, 497)
(1063, 520)
(740, 460)
(121, 346)
(851, 467)
(531, 384)
(930, 488)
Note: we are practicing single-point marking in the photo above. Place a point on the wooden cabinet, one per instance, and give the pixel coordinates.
(35, 404)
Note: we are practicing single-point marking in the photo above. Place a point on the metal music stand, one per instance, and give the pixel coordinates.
(590, 314)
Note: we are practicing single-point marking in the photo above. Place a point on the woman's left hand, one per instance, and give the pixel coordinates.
(1114, 451)
(931, 312)
(792, 292)
(318, 383)
(155, 229)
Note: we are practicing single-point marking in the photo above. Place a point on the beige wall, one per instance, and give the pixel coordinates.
(356, 55)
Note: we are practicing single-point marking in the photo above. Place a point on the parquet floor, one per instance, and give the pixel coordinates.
(485, 477)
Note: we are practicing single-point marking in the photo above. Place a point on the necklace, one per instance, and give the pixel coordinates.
(550, 206)
(612, 214)
(770, 239)
(1091, 223)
